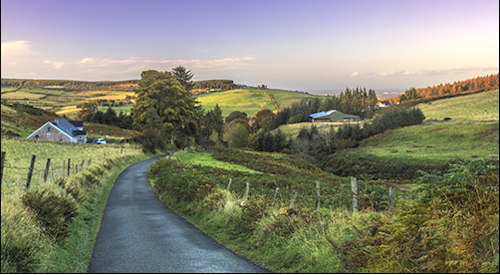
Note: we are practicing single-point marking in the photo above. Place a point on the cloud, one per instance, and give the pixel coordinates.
(86, 60)
(57, 65)
(15, 48)
(354, 74)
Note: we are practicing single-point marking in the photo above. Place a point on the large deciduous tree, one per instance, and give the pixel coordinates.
(173, 104)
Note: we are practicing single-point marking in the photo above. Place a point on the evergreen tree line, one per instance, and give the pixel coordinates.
(480, 83)
(222, 84)
(90, 113)
(356, 101)
(310, 143)
(72, 85)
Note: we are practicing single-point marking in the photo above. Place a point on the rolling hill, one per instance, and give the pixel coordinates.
(248, 100)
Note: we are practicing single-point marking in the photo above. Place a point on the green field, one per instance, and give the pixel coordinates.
(434, 142)
(125, 109)
(249, 101)
(475, 107)
(292, 130)
(473, 132)
(19, 152)
(60, 101)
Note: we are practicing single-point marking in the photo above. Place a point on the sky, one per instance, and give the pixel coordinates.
(306, 45)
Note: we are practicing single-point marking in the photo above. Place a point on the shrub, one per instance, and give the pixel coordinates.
(346, 143)
(53, 211)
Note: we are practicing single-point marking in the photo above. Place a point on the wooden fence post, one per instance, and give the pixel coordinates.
(30, 171)
(69, 166)
(121, 151)
(76, 169)
(294, 198)
(354, 186)
(275, 193)
(46, 170)
(229, 185)
(391, 198)
(60, 170)
(318, 195)
(83, 161)
(1, 172)
(246, 193)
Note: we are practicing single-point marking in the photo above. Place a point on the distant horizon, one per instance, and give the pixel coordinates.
(292, 44)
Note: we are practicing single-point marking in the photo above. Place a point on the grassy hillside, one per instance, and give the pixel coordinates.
(247, 100)
(59, 101)
(19, 151)
(475, 107)
(473, 132)
(292, 130)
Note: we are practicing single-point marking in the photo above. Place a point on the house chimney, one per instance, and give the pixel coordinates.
(56, 121)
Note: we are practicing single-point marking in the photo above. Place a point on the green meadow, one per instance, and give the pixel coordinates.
(249, 101)
(292, 130)
(475, 107)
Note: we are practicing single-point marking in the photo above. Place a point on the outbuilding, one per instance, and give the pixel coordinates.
(332, 116)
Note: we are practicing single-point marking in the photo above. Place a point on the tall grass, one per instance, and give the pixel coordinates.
(28, 244)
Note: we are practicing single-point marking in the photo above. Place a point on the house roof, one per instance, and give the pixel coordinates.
(76, 123)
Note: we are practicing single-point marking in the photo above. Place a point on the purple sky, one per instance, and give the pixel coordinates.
(297, 45)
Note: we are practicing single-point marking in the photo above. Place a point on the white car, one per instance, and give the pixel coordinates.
(99, 141)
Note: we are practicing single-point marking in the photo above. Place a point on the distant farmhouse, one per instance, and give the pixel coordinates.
(61, 130)
(332, 116)
(383, 104)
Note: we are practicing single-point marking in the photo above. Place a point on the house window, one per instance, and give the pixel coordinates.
(37, 137)
(49, 129)
(60, 139)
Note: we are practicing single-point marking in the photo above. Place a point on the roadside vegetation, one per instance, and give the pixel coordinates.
(425, 225)
(52, 226)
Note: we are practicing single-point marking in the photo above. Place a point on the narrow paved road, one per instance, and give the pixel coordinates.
(139, 234)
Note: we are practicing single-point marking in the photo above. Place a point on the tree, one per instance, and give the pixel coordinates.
(87, 111)
(239, 137)
(299, 112)
(110, 117)
(264, 119)
(172, 103)
(184, 77)
(234, 115)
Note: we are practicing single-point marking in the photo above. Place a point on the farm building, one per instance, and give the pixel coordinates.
(332, 116)
(61, 130)
(383, 104)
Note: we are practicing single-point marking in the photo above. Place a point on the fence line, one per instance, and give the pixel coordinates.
(40, 176)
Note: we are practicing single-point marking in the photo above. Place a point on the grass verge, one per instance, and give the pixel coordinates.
(26, 248)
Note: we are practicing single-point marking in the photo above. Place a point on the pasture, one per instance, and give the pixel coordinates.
(19, 150)
(292, 130)
(476, 107)
(249, 101)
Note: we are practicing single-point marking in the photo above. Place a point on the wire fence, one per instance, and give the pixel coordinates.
(347, 195)
(31, 177)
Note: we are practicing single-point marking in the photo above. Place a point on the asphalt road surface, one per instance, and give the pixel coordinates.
(139, 234)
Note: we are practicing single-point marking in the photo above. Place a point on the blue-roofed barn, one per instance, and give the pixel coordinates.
(332, 116)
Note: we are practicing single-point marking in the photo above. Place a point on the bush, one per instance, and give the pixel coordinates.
(53, 211)
(346, 143)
